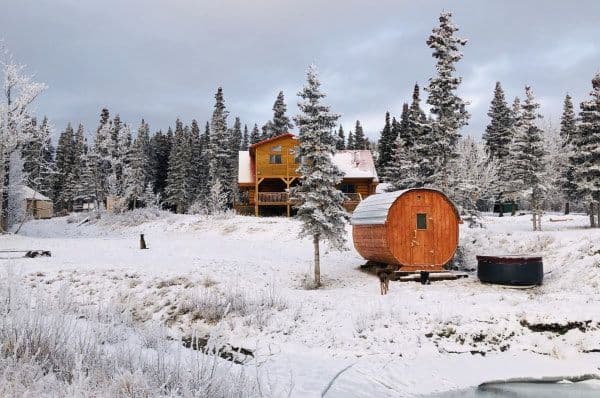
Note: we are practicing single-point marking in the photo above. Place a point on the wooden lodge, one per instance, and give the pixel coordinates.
(413, 230)
(268, 170)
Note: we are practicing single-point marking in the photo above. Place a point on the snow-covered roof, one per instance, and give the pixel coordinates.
(28, 193)
(245, 168)
(356, 164)
(374, 209)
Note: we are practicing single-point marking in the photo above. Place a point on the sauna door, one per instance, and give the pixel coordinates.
(421, 236)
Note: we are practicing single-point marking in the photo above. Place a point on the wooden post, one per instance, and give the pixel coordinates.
(317, 261)
(598, 209)
(142, 242)
(567, 208)
(592, 218)
(256, 198)
(287, 184)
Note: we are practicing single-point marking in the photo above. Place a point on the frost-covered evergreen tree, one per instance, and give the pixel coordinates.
(196, 174)
(38, 158)
(281, 124)
(120, 160)
(320, 202)
(340, 144)
(350, 145)
(101, 156)
(255, 135)
(245, 139)
(403, 170)
(386, 147)
(218, 149)
(527, 166)
(74, 184)
(447, 108)
(586, 156)
(160, 150)
(497, 136)
(360, 141)
(178, 192)
(136, 173)
(566, 172)
(64, 168)
(235, 140)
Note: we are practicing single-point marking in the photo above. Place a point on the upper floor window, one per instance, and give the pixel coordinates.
(275, 159)
(276, 148)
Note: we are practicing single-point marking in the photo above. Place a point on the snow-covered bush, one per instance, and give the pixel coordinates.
(50, 348)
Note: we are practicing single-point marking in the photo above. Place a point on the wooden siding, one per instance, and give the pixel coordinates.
(287, 168)
(412, 248)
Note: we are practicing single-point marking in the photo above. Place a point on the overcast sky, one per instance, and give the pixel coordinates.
(164, 59)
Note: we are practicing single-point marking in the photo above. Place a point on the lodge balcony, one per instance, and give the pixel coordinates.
(284, 199)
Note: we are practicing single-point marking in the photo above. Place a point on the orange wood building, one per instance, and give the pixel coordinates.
(415, 229)
(268, 170)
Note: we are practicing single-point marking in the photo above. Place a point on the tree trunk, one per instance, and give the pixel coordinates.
(317, 261)
(134, 203)
(567, 208)
(592, 218)
(598, 210)
(513, 208)
(533, 218)
(501, 209)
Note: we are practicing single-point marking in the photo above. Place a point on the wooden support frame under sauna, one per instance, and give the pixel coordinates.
(414, 230)
(268, 171)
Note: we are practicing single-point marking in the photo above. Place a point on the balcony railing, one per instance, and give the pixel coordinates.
(284, 197)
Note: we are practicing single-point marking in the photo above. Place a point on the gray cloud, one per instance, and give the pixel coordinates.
(164, 59)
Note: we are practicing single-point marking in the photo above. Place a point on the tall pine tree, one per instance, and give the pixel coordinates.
(448, 110)
(178, 192)
(245, 139)
(568, 129)
(386, 147)
(281, 124)
(320, 209)
(586, 156)
(341, 140)
(220, 153)
(360, 141)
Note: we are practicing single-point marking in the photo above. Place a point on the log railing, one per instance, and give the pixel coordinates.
(284, 197)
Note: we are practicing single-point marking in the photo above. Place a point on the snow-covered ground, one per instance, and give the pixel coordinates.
(344, 339)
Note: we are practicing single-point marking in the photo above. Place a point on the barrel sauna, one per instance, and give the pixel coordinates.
(415, 229)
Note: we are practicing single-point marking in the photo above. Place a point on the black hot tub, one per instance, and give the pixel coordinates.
(510, 269)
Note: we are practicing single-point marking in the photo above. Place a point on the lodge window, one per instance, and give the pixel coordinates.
(276, 148)
(348, 188)
(421, 221)
(275, 159)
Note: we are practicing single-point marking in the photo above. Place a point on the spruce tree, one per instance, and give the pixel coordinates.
(64, 165)
(497, 136)
(281, 124)
(219, 151)
(360, 141)
(245, 139)
(74, 183)
(341, 140)
(350, 145)
(448, 110)
(136, 173)
(101, 156)
(568, 129)
(178, 191)
(38, 160)
(586, 155)
(527, 158)
(235, 142)
(160, 149)
(320, 202)
(386, 147)
(196, 172)
(255, 135)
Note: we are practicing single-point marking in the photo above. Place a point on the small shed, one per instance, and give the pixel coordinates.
(36, 204)
(415, 229)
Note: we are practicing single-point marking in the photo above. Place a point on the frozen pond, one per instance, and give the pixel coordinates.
(583, 389)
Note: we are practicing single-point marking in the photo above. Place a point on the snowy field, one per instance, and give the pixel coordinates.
(241, 278)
